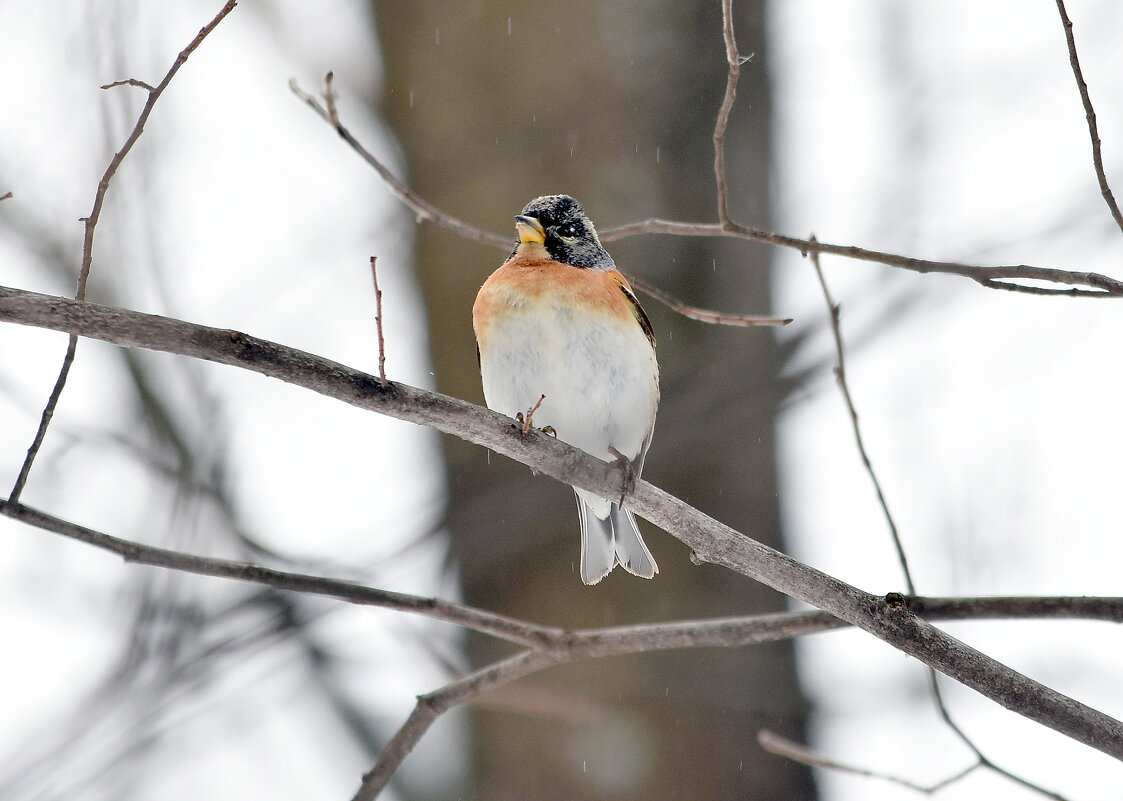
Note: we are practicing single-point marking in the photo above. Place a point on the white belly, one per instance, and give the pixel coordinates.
(599, 376)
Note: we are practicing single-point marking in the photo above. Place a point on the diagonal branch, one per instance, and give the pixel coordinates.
(500, 626)
(702, 315)
(422, 208)
(432, 705)
(1068, 282)
(90, 224)
(888, 619)
(1090, 116)
(834, 311)
(425, 210)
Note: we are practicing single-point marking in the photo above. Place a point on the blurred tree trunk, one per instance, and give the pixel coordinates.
(496, 103)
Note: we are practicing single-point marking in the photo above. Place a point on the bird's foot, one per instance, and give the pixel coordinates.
(628, 469)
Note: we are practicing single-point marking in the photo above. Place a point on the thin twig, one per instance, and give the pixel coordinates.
(378, 322)
(90, 224)
(432, 705)
(6, 196)
(733, 59)
(130, 82)
(418, 205)
(500, 626)
(330, 98)
(529, 418)
(702, 315)
(1090, 115)
(1081, 284)
(983, 761)
(781, 746)
(844, 388)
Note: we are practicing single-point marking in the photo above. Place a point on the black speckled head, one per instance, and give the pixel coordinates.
(569, 234)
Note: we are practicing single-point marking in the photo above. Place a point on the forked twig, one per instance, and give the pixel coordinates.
(937, 696)
(90, 224)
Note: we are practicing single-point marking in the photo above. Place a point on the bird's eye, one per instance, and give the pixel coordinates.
(567, 231)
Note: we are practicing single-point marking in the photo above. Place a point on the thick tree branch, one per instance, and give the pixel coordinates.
(888, 619)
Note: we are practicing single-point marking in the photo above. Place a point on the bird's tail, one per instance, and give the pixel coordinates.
(611, 540)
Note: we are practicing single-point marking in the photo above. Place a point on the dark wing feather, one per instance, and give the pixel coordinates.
(640, 314)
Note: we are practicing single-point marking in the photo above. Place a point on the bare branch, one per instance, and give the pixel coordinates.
(130, 82)
(590, 643)
(500, 626)
(378, 321)
(330, 97)
(548, 646)
(702, 315)
(982, 761)
(90, 224)
(888, 619)
(432, 705)
(833, 312)
(1078, 284)
(418, 205)
(1082, 284)
(733, 59)
(844, 386)
(781, 746)
(1090, 115)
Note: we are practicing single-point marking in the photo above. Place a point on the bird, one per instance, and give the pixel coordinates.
(563, 342)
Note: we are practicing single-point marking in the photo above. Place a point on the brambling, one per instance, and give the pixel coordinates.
(563, 340)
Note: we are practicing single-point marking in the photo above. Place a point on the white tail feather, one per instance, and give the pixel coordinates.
(610, 541)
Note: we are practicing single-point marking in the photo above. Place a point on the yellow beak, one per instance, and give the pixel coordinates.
(530, 230)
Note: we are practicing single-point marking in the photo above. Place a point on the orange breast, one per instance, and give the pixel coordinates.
(527, 280)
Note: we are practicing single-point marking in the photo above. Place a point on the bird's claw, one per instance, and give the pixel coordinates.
(628, 469)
